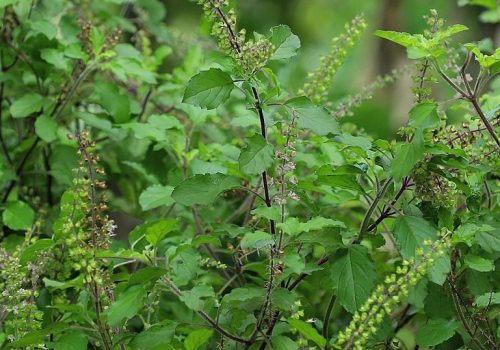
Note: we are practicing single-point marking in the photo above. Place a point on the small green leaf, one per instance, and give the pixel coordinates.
(270, 213)
(407, 155)
(46, 128)
(158, 230)
(29, 253)
(286, 43)
(435, 332)
(410, 232)
(208, 89)
(256, 240)
(280, 342)
(42, 27)
(72, 340)
(353, 276)
(18, 216)
(424, 115)
(127, 305)
(194, 298)
(257, 156)
(308, 332)
(401, 38)
(197, 338)
(488, 299)
(478, 263)
(26, 105)
(156, 196)
(312, 117)
(55, 58)
(154, 337)
(203, 189)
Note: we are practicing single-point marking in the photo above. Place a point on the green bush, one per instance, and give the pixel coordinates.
(162, 190)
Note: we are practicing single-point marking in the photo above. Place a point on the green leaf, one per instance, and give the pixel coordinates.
(286, 43)
(280, 342)
(75, 282)
(26, 105)
(407, 155)
(46, 128)
(156, 196)
(256, 240)
(42, 27)
(424, 115)
(55, 58)
(158, 230)
(308, 332)
(312, 117)
(116, 103)
(155, 336)
(127, 305)
(257, 156)
(194, 298)
(489, 240)
(270, 213)
(488, 299)
(18, 216)
(72, 340)
(353, 276)
(197, 338)
(401, 38)
(478, 263)
(410, 232)
(29, 253)
(208, 89)
(435, 332)
(203, 189)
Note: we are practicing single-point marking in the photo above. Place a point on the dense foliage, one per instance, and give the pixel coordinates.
(208, 206)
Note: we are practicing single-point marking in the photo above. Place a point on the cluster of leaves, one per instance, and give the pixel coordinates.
(246, 216)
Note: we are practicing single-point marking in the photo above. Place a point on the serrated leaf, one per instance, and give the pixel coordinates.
(479, 263)
(26, 105)
(197, 338)
(154, 337)
(18, 216)
(424, 115)
(156, 231)
(256, 240)
(410, 232)
(270, 213)
(435, 332)
(194, 298)
(42, 27)
(257, 156)
(156, 196)
(208, 89)
(353, 276)
(407, 155)
(55, 58)
(286, 43)
(203, 189)
(312, 117)
(72, 340)
(488, 299)
(126, 305)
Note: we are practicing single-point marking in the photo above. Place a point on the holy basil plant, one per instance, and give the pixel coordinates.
(168, 190)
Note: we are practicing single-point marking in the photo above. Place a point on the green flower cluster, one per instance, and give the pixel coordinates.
(19, 290)
(319, 81)
(388, 296)
(434, 188)
(252, 55)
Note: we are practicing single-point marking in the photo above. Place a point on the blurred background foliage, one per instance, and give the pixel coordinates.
(316, 22)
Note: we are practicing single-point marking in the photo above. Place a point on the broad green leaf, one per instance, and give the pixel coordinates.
(34, 337)
(449, 31)
(18, 216)
(280, 342)
(479, 263)
(294, 262)
(75, 282)
(286, 43)
(29, 253)
(407, 155)
(424, 115)
(203, 189)
(308, 332)
(55, 58)
(158, 230)
(116, 103)
(256, 240)
(126, 305)
(146, 275)
(156, 196)
(154, 337)
(26, 105)
(198, 338)
(257, 156)
(270, 213)
(46, 128)
(208, 89)
(489, 240)
(353, 275)
(410, 232)
(42, 27)
(401, 38)
(312, 117)
(488, 299)
(194, 298)
(72, 340)
(435, 332)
